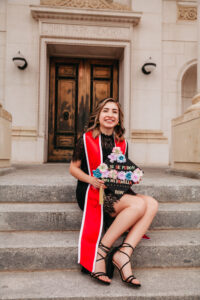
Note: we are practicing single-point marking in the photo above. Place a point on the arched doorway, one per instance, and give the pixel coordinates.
(188, 87)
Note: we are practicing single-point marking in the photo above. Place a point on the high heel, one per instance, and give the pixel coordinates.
(96, 275)
(111, 265)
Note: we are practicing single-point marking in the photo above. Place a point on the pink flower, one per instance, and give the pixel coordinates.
(113, 174)
(135, 177)
(121, 175)
(112, 157)
(105, 174)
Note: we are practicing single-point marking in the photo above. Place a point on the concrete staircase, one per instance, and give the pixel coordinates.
(39, 224)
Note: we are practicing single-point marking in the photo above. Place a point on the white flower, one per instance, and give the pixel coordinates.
(102, 167)
(117, 150)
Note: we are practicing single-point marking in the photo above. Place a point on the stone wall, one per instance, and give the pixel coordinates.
(5, 138)
(186, 141)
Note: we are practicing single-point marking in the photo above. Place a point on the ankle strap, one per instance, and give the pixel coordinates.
(104, 248)
(126, 245)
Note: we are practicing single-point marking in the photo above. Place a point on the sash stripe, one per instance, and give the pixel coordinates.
(92, 220)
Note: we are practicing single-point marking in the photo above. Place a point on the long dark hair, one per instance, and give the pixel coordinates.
(94, 124)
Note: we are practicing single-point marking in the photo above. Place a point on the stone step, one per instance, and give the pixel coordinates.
(58, 250)
(67, 216)
(50, 193)
(157, 284)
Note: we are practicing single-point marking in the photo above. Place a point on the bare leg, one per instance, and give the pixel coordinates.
(128, 211)
(135, 234)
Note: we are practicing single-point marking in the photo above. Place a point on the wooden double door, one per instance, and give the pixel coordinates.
(76, 86)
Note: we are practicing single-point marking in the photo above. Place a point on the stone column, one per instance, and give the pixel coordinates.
(196, 100)
(186, 128)
(5, 117)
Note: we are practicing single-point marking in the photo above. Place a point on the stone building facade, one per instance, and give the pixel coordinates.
(60, 39)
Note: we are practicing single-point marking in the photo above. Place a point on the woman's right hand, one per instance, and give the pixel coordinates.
(97, 183)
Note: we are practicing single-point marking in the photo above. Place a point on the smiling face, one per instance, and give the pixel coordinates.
(109, 116)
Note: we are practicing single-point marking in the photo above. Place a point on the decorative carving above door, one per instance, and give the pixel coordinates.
(87, 4)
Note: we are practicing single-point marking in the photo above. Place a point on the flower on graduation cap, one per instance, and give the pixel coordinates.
(139, 172)
(112, 157)
(105, 174)
(113, 174)
(121, 158)
(117, 150)
(135, 177)
(121, 175)
(102, 167)
(97, 173)
(128, 175)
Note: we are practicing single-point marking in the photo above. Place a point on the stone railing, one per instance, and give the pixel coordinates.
(5, 138)
(186, 139)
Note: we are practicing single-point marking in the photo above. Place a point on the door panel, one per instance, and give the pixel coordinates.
(76, 86)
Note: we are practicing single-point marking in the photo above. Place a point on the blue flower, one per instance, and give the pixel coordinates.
(121, 158)
(128, 175)
(96, 173)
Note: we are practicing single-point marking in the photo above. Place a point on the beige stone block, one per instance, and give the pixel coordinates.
(27, 150)
(169, 60)
(169, 11)
(24, 2)
(21, 102)
(149, 154)
(150, 33)
(150, 6)
(5, 138)
(180, 32)
(3, 38)
(186, 141)
(191, 50)
(173, 47)
(146, 110)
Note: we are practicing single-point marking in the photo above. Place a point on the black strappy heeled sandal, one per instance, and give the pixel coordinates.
(111, 265)
(96, 275)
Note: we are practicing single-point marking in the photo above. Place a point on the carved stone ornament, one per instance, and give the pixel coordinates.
(87, 4)
(187, 13)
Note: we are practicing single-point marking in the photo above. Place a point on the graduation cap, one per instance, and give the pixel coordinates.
(118, 172)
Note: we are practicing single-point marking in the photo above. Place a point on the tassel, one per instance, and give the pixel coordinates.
(101, 194)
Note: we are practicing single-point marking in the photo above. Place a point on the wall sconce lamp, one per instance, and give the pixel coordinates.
(20, 61)
(148, 67)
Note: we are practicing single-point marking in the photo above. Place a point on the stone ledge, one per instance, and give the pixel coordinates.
(43, 12)
(148, 136)
(185, 173)
(4, 114)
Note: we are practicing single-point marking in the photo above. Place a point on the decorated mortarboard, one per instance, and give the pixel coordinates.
(118, 173)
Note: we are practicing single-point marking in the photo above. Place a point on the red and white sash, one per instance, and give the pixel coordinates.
(92, 221)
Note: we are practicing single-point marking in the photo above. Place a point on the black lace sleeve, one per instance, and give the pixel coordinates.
(78, 150)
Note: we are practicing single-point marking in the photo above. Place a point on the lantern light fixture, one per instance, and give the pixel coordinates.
(20, 61)
(148, 67)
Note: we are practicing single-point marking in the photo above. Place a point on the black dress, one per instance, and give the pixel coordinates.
(107, 142)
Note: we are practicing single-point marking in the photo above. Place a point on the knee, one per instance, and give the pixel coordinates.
(152, 205)
(139, 207)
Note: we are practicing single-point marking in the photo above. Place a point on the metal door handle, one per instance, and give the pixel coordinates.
(66, 115)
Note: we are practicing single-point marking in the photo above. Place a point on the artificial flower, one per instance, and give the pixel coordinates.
(112, 157)
(97, 173)
(102, 167)
(117, 150)
(121, 158)
(121, 175)
(135, 177)
(128, 175)
(113, 174)
(105, 174)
